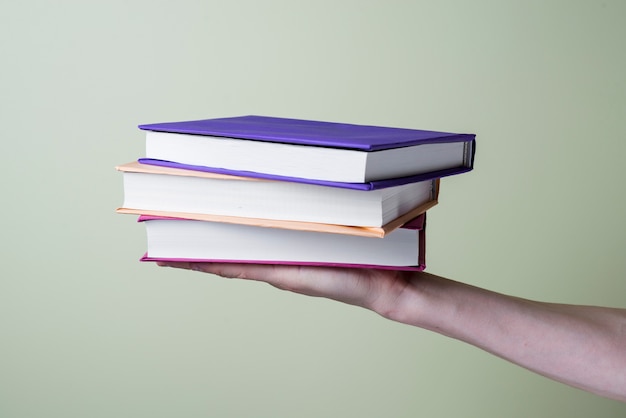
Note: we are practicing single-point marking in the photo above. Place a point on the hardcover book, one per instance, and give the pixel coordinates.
(170, 191)
(305, 149)
(176, 239)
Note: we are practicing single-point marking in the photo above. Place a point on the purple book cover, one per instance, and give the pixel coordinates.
(308, 132)
(418, 224)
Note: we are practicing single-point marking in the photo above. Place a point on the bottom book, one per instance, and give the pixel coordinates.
(176, 239)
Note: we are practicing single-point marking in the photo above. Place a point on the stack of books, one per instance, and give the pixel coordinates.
(258, 189)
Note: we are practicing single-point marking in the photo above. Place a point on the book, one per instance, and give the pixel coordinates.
(306, 149)
(157, 190)
(176, 239)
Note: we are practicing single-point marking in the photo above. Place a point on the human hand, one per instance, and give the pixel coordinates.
(387, 292)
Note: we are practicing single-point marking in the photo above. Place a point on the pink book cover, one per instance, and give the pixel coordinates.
(418, 223)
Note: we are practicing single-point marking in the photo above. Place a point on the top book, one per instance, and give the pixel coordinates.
(291, 149)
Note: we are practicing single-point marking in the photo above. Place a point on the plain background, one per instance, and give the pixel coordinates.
(88, 331)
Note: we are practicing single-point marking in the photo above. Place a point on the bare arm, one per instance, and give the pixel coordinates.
(582, 346)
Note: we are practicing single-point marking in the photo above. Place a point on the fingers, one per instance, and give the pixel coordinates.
(347, 285)
(261, 272)
(179, 265)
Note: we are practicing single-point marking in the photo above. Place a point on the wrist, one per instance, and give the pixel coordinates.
(434, 303)
(417, 300)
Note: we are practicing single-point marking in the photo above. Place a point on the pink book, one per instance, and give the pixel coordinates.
(418, 225)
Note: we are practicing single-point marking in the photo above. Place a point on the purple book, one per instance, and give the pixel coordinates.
(308, 132)
(334, 154)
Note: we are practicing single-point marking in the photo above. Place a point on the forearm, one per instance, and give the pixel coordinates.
(581, 346)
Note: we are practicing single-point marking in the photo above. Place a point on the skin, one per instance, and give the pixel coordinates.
(581, 346)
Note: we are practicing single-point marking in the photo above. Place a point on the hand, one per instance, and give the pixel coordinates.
(386, 292)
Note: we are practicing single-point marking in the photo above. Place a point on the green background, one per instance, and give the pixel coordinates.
(88, 331)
